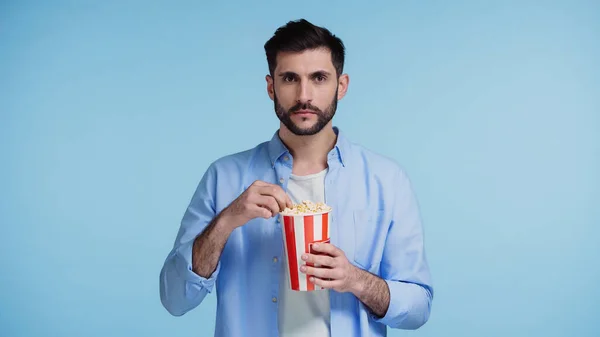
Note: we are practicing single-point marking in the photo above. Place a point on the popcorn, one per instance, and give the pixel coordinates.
(306, 207)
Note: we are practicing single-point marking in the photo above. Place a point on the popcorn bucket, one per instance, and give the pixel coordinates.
(300, 232)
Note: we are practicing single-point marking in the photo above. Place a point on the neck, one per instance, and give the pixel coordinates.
(309, 152)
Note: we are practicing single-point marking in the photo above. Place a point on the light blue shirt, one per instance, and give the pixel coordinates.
(375, 221)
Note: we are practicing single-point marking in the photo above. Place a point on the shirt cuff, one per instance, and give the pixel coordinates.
(395, 309)
(183, 258)
(406, 310)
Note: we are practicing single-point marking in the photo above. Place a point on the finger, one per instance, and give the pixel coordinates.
(268, 202)
(322, 273)
(288, 201)
(260, 183)
(327, 248)
(325, 283)
(285, 198)
(262, 212)
(322, 260)
(275, 192)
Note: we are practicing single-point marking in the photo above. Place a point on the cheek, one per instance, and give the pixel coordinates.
(285, 94)
(330, 91)
(324, 98)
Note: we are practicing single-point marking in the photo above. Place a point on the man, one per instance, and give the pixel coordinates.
(374, 271)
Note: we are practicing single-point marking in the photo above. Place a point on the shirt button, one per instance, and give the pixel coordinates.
(286, 158)
(274, 299)
(281, 180)
(275, 259)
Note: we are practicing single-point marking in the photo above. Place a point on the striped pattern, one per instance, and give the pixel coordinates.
(299, 233)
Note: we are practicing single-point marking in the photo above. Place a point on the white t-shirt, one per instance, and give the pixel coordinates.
(303, 313)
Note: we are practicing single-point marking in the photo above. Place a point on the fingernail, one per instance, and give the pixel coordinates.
(303, 269)
(316, 245)
(304, 257)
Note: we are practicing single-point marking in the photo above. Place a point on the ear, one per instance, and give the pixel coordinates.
(343, 82)
(270, 88)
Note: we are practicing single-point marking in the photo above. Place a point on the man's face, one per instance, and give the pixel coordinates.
(305, 90)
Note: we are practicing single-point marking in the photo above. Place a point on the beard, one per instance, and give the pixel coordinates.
(323, 117)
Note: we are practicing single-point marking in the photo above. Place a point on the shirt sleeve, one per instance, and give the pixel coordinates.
(181, 289)
(404, 265)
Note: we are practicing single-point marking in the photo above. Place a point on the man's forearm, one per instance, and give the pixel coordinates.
(372, 291)
(209, 245)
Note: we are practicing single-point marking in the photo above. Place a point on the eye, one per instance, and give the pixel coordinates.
(319, 78)
(288, 78)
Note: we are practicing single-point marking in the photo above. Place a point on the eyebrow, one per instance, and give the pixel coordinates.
(313, 74)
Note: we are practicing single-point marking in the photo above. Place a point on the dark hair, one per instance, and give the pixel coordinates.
(300, 35)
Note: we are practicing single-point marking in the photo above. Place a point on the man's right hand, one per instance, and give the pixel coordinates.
(261, 199)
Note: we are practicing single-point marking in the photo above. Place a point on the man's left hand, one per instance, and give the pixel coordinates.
(334, 270)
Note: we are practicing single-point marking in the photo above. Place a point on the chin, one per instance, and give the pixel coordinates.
(305, 128)
(305, 131)
(305, 124)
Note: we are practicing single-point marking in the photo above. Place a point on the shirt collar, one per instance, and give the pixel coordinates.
(276, 148)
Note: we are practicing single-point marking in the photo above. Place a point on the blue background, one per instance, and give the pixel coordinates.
(111, 112)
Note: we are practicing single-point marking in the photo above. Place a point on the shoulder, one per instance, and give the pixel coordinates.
(383, 176)
(239, 161)
(375, 163)
(224, 178)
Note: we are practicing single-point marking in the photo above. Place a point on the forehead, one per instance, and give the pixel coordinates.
(305, 62)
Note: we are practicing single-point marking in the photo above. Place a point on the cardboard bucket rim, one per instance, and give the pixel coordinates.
(307, 214)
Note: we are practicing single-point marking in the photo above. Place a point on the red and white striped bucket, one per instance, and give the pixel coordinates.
(299, 233)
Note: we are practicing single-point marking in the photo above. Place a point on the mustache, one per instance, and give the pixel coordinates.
(304, 106)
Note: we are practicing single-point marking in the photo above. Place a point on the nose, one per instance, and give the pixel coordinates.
(304, 92)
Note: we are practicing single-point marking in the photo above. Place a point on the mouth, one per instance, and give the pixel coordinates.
(305, 112)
